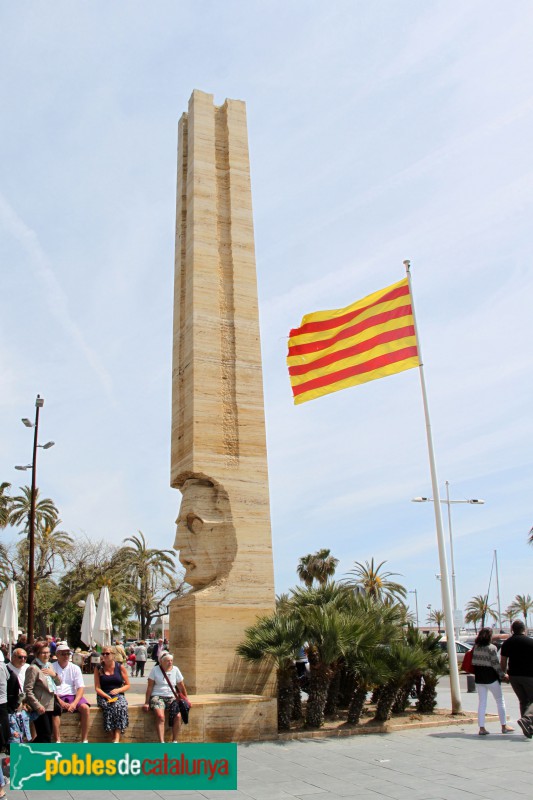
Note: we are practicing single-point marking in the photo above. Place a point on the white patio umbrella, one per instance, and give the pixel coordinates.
(9, 615)
(87, 623)
(102, 623)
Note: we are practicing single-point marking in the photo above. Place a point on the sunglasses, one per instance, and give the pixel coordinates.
(107, 654)
(17, 656)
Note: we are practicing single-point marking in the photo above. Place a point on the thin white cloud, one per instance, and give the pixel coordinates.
(54, 295)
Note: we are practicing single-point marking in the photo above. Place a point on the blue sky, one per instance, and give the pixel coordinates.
(378, 131)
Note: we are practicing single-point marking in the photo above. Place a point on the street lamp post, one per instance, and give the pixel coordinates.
(414, 591)
(448, 502)
(39, 403)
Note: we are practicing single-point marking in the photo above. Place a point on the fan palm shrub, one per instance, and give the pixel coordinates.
(326, 630)
(372, 627)
(404, 662)
(277, 639)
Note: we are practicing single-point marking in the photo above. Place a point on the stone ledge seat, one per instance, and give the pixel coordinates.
(213, 718)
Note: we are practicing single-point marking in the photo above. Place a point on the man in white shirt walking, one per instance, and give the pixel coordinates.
(70, 691)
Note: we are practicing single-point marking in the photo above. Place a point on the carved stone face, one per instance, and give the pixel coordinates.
(200, 534)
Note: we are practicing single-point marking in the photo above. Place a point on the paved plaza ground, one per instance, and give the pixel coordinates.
(448, 763)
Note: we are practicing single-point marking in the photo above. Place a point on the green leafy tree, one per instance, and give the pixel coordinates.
(508, 615)
(5, 504)
(46, 513)
(149, 568)
(52, 549)
(522, 604)
(371, 628)
(437, 665)
(326, 631)
(375, 582)
(405, 662)
(276, 639)
(319, 566)
(478, 609)
(436, 617)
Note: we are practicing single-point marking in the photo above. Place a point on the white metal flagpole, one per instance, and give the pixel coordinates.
(445, 582)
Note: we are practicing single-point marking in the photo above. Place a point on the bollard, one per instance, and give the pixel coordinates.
(470, 683)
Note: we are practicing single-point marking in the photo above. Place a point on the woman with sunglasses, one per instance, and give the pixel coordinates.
(111, 681)
(39, 687)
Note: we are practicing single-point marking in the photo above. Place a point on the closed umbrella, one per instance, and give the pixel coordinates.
(87, 623)
(102, 624)
(9, 615)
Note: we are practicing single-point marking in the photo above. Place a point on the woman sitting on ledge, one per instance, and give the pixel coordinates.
(111, 681)
(160, 695)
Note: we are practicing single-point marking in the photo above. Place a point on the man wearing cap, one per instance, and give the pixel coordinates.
(70, 691)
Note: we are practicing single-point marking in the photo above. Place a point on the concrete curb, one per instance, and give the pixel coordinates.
(466, 718)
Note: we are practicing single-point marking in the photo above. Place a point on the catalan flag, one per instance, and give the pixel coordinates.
(372, 338)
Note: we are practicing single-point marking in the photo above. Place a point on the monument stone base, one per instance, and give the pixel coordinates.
(204, 633)
(213, 718)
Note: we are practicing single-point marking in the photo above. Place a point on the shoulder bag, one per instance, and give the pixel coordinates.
(183, 703)
(467, 662)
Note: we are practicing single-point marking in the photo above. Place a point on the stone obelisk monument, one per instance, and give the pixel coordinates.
(218, 458)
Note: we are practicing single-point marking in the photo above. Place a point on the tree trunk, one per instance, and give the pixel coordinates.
(387, 696)
(401, 701)
(285, 701)
(333, 693)
(427, 699)
(348, 687)
(297, 713)
(356, 706)
(375, 695)
(319, 679)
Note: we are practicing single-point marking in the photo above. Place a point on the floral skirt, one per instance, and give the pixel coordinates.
(115, 714)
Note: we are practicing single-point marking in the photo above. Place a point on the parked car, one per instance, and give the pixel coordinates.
(461, 649)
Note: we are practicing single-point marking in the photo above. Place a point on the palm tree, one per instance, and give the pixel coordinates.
(277, 639)
(145, 565)
(52, 547)
(437, 664)
(522, 604)
(5, 503)
(375, 583)
(326, 630)
(405, 662)
(317, 566)
(46, 513)
(436, 616)
(478, 608)
(508, 615)
(371, 628)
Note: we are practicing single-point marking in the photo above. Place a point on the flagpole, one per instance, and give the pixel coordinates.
(445, 583)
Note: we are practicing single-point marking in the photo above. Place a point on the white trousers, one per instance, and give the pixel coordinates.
(496, 690)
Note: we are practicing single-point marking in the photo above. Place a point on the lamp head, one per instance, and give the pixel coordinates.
(420, 499)
(48, 445)
(39, 403)
(476, 502)
(27, 422)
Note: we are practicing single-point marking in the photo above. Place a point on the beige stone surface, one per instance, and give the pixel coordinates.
(218, 451)
(213, 718)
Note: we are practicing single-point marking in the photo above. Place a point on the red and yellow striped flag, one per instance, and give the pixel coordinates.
(332, 350)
